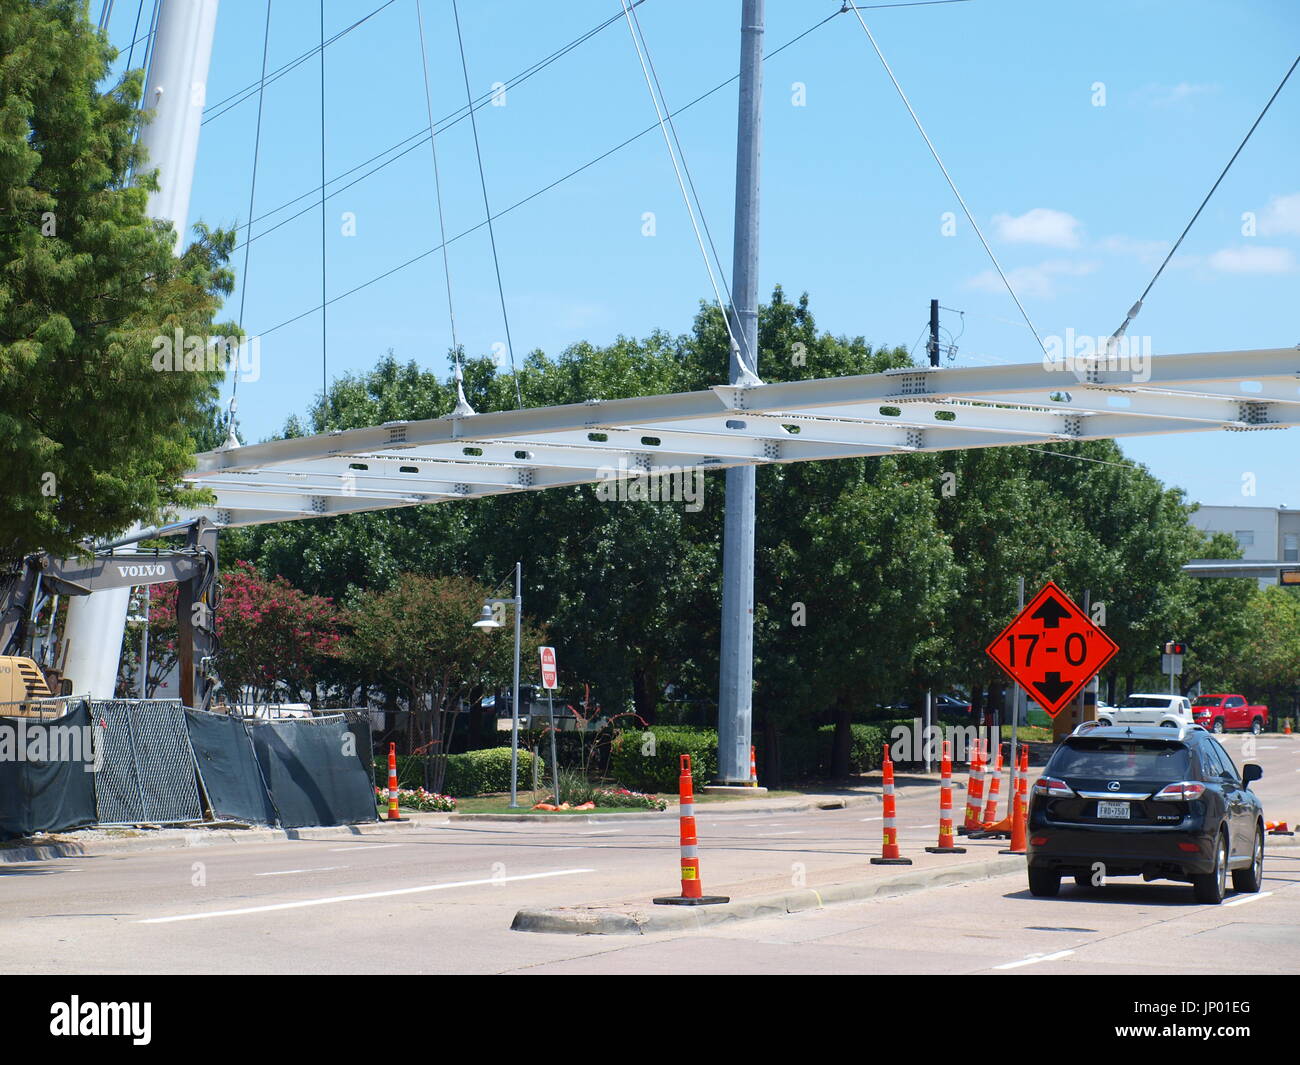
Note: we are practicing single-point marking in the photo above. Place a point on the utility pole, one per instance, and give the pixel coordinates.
(736, 679)
(934, 333)
(174, 90)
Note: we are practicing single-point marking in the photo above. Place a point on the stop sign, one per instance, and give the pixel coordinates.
(549, 672)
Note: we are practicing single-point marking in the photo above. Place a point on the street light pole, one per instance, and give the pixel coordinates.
(488, 621)
(514, 693)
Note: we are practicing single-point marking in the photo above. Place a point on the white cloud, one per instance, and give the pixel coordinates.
(1032, 282)
(1253, 259)
(1040, 225)
(1144, 251)
(1168, 95)
(1281, 216)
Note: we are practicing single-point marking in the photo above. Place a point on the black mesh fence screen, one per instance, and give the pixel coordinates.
(313, 771)
(231, 776)
(47, 783)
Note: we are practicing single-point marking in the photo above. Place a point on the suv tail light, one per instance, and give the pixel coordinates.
(1183, 791)
(1053, 788)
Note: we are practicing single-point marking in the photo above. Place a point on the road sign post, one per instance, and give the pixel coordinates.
(550, 681)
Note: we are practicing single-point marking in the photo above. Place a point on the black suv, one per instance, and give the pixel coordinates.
(1150, 802)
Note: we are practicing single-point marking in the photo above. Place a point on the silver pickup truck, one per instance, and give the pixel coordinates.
(1143, 708)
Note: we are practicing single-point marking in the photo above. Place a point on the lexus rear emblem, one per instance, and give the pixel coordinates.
(1113, 785)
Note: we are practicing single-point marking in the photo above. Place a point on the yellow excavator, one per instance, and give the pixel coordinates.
(23, 689)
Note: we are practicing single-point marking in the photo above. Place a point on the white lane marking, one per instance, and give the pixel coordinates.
(1248, 898)
(314, 869)
(605, 832)
(357, 898)
(787, 832)
(1267, 747)
(881, 818)
(1034, 959)
(367, 846)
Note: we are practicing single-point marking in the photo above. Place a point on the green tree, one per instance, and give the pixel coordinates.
(1269, 666)
(94, 437)
(419, 635)
(274, 638)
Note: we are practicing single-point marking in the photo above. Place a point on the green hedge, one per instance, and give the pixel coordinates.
(469, 774)
(637, 763)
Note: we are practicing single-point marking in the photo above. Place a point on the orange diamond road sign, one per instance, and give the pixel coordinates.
(1052, 649)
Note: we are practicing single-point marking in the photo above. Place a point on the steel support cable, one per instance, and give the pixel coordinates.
(1137, 307)
(947, 177)
(462, 406)
(252, 194)
(747, 368)
(445, 123)
(749, 356)
(324, 302)
(487, 207)
(539, 192)
(448, 121)
(139, 10)
(246, 93)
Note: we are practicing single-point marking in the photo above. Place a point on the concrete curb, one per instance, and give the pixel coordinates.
(81, 845)
(708, 809)
(596, 920)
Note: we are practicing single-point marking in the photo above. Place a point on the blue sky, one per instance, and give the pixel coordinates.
(1079, 201)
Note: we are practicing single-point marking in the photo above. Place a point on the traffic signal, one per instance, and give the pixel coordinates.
(1172, 648)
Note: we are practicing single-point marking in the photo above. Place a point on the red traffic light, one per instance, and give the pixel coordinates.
(1175, 648)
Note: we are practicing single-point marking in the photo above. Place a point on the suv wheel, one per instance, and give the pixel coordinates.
(1256, 726)
(1044, 883)
(1210, 887)
(1250, 878)
(1218, 725)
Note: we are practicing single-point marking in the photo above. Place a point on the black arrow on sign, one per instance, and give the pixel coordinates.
(1051, 613)
(1052, 686)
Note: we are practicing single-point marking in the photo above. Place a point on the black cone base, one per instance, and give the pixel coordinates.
(945, 850)
(891, 861)
(682, 900)
(1009, 851)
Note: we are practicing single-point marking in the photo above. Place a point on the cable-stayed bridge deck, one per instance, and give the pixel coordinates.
(409, 463)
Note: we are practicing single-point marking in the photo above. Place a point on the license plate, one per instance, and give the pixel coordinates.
(1114, 810)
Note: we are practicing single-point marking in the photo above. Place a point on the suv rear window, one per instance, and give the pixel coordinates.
(1121, 759)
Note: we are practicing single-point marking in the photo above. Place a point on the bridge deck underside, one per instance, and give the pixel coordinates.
(401, 464)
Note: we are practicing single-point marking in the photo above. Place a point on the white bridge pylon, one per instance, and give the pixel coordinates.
(409, 463)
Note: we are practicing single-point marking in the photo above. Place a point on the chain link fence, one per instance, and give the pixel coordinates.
(147, 773)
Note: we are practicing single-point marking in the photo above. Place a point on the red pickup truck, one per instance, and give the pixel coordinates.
(1222, 712)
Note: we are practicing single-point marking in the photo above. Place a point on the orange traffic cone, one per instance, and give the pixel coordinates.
(1279, 828)
(889, 854)
(692, 893)
(1019, 817)
(945, 807)
(974, 792)
(995, 785)
(753, 768)
(1286, 728)
(393, 814)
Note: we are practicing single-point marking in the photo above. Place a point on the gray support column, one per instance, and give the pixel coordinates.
(735, 683)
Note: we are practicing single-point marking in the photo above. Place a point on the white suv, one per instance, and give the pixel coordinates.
(1142, 708)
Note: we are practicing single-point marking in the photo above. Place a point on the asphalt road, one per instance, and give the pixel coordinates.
(439, 899)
